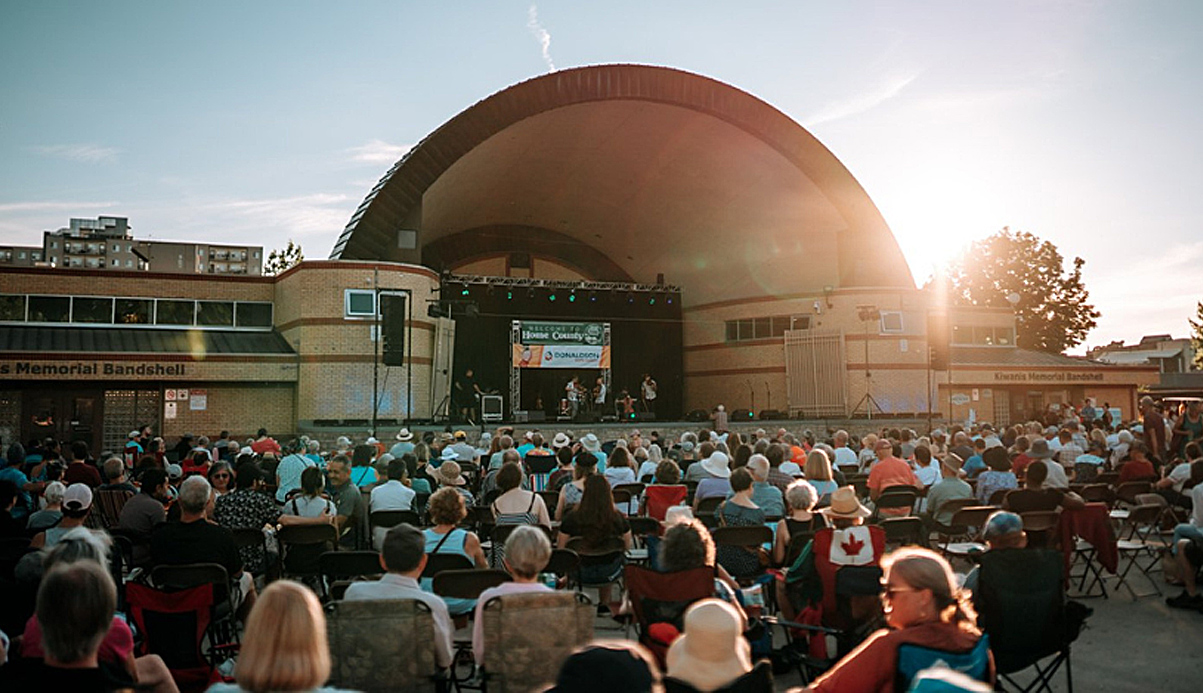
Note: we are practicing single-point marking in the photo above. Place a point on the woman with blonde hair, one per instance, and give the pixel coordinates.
(284, 646)
(923, 607)
(818, 473)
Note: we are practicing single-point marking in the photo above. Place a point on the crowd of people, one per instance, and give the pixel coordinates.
(817, 493)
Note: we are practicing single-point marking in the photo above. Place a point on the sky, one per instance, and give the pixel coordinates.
(235, 122)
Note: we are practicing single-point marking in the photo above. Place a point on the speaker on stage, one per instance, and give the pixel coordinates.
(769, 414)
(645, 416)
(741, 415)
(938, 338)
(392, 328)
(697, 416)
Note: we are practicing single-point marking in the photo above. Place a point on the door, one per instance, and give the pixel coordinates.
(65, 415)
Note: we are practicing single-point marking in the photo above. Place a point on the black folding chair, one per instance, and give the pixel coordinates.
(904, 531)
(1021, 606)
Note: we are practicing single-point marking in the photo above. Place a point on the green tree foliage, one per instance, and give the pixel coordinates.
(281, 259)
(1196, 335)
(1051, 314)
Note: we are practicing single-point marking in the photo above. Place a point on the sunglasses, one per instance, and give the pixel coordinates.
(221, 476)
(888, 592)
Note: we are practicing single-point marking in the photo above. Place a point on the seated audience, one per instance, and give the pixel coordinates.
(711, 653)
(116, 649)
(145, 511)
(114, 475)
(714, 479)
(739, 511)
(50, 515)
(610, 665)
(77, 504)
(1138, 467)
(75, 606)
(1003, 530)
(403, 556)
(248, 507)
(619, 469)
(766, 496)
(1035, 497)
(664, 492)
(584, 464)
(527, 551)
(950, 487)
(284, 647)
(221, 478)
(597, 526)
(923, 606)
(196, 540)
(447, 510)
(998, 475)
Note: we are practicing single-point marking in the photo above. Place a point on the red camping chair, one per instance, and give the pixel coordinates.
(173, 625)
(663, 598)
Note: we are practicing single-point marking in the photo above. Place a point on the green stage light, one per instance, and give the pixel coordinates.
(551, 297)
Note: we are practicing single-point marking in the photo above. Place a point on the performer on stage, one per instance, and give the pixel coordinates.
(648, 398)
(572, 393)
(599, 395)
(466, 395)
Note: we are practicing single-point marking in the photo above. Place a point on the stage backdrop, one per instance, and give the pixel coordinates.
(645, 337)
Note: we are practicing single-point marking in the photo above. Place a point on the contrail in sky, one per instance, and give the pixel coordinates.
(541, 35)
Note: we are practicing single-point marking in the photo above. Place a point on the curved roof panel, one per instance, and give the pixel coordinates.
(654, 169)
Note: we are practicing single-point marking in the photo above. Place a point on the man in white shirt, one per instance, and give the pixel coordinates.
(404, 557)
(393, 494)
(845, 456)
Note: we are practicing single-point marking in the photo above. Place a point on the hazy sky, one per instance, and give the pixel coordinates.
(1076, 120)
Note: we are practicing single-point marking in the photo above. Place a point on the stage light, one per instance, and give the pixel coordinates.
(751, 415)
(551, 296)
(670, 300)
(630, 298)
(530, 293)
(593, 297)
(509, 295)
(572, 297)
(464, 291)
(651, 301)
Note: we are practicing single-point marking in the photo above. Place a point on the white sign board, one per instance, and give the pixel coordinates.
(169, 410)
(960, 398)
(199, 400)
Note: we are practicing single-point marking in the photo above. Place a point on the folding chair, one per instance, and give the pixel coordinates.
(467, 585)
(751, 539)
(252, 547)
(1097, 493)
(661, 498)
(967, 524)
(663, 598)
(348, 566)
(997, 498)
(301, 547)
(528, 636)
(551, 499)
(1040, 526)
(1134, 542)
(641, 529)
(707, 507)
(391, 518)
(904, 531)
(175, 625)
(913, 659)
(1020, 601)
(362, 634)
(623, 500)
(611, 553)
(108, 503)
(633, 491)
(564, 563)
(893, 498)
(1126, 493)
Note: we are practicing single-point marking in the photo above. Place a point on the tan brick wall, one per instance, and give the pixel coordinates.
(240, 409)
(56, 282)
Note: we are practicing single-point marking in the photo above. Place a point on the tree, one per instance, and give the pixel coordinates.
(281, 259)
(1051, 313)
(1196, 335)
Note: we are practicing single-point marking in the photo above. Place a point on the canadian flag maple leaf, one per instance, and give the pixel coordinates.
(852, 546)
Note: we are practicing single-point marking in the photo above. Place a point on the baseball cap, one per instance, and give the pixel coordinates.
(1002, 523)
(77, 497)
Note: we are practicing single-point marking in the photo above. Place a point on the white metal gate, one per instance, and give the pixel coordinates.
(815, 372)
(441, 375)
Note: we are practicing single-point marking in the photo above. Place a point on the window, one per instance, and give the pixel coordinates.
(92, 310)
(359, 303)
(20, 254)
(253, 314)
(49, 308)
(116, 262)
(129, 263)
(215, 313)
(174, 312)
(764, 328)
(116, 248)
(891, 321)
(12, 308)
(134, 311)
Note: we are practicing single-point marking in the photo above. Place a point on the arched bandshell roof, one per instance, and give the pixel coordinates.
(627, 171)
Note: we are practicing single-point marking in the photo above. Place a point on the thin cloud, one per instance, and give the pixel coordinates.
(51, 205)
(541, 35)
(862, 102)
(86, 153)
(378, 152)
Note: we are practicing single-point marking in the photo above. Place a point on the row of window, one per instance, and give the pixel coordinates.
(91, 310)
(765, 328)
(983, 336)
